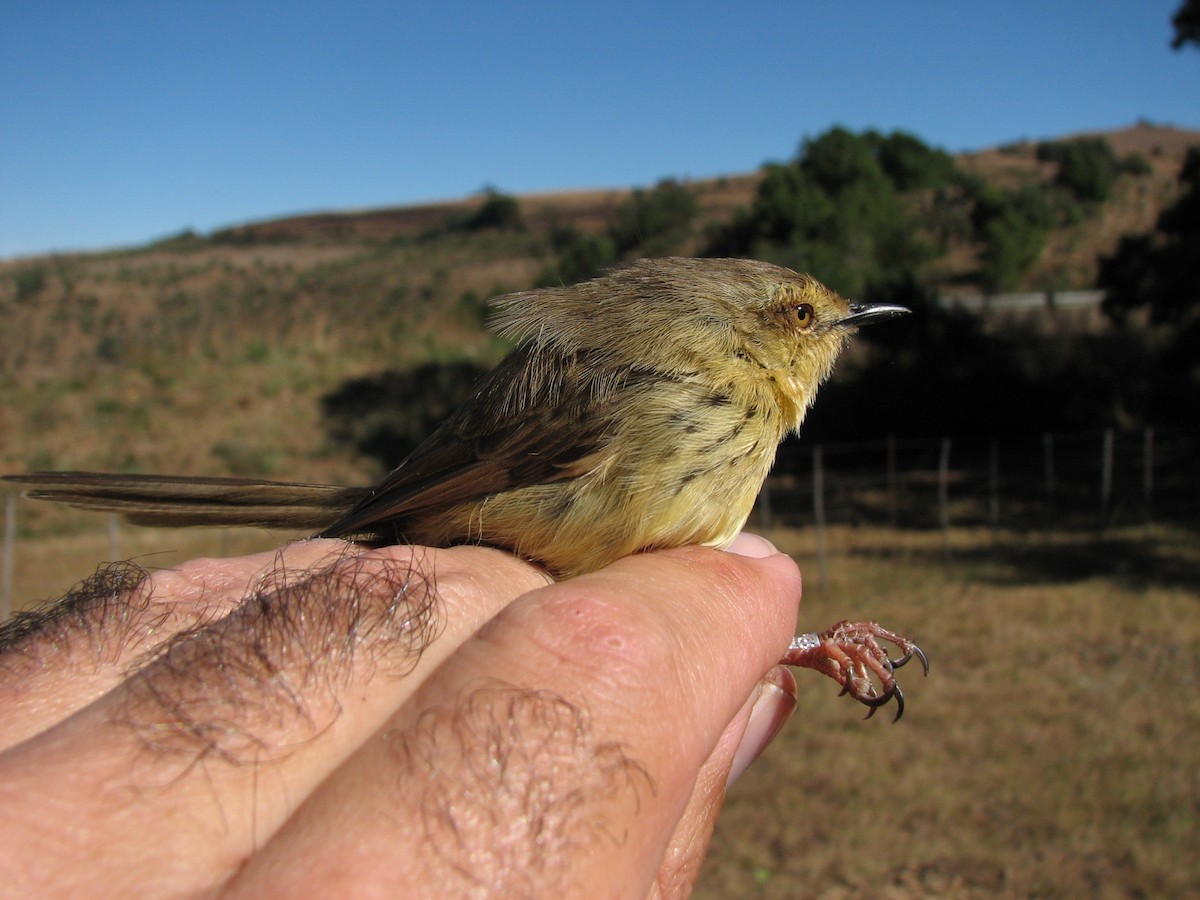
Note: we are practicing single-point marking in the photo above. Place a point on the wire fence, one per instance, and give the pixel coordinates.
(1062, 480)
(1093, 479)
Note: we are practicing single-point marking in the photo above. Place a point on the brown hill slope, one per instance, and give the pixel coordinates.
(211, 354)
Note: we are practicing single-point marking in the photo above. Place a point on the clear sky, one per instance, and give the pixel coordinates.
(124, 122)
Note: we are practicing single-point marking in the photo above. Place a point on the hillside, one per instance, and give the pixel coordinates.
(1069, 260)
(211, 354)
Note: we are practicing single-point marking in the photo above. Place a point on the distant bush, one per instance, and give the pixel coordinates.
(473, 307)
(1037, 206)
(1160, 271)
(1014, 224)
(1136, 164)
(1013, 227)
(499, 211)
(111, 348)
(249, 236)
(186, 239)
(579, 256)
(836, 211)
(257, 351)
(29, 281)
(911, 164)
(654, 221)
(1011, 246)
(1087, 166)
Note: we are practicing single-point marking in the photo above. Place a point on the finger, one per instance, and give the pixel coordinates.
(557, 751)
(214, 743)
(59, 660)
(755, 726)
(753, 545)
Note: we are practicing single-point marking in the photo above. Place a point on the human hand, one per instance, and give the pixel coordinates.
(400, 720)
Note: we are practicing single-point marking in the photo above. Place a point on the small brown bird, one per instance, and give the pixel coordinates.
(640, 410)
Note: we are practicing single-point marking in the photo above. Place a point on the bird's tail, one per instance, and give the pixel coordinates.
(171, 500)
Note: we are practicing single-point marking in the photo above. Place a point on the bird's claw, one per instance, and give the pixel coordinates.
(911, 651)
(850, 654)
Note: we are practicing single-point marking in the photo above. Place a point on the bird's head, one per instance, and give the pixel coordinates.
(793, 328)
(740, 322)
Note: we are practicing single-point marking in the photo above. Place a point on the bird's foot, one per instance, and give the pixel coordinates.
(850, 654)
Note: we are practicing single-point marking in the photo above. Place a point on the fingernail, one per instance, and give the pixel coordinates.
(753, 545)
(772, 708)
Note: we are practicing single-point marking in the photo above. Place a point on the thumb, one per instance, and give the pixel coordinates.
(756, 724)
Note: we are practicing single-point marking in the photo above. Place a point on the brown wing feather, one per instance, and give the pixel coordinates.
(532, 420)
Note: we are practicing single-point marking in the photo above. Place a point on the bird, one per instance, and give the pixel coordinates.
(641, 409)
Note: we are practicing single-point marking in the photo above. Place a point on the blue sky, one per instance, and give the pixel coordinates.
(124, 122)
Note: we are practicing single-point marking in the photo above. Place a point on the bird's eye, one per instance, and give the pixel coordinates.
(804, 315)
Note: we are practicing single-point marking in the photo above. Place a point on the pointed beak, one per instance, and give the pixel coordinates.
(866, 313)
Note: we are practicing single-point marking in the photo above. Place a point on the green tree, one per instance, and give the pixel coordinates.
(654, 221)
(499, 211)
(1160, 272)
(1013, 227)
(29, 281)
(1087, 166)
(578, 256)
(838, 159)
(1187, 24)
(1011, 246)
(912, 165)
(835, 212)
(1136, 164)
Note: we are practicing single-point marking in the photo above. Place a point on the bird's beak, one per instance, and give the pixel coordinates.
(866, 313)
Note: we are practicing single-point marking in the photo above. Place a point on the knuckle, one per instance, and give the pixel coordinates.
(598, 630)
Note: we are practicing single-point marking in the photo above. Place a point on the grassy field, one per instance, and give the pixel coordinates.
(1051, 752)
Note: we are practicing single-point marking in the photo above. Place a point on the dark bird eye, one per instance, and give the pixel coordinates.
(804, 315)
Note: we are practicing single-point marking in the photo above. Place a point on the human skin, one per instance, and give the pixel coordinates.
(331, 720)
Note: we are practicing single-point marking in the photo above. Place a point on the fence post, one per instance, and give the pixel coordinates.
(1148, 470)
(1048, 468)
(1106, 475)
(892, 500)
(994, 486)
(819, 514)
(944, 488)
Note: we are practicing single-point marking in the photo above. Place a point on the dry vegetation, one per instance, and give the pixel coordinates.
(1071, 254)
(210, 355)
(1051, 752)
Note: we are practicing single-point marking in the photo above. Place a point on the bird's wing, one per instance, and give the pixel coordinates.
(535, 419)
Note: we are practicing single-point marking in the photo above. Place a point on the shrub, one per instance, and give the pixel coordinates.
(911, 164)
(580, 256)
(499, 211)
(656, 220)
(1135, 164)
(1087, 166)
(29, 281)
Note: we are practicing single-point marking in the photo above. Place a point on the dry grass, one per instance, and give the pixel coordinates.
(47, 565)
(1051, 752)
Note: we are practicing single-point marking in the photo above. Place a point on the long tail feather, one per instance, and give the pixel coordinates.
(171, 500)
